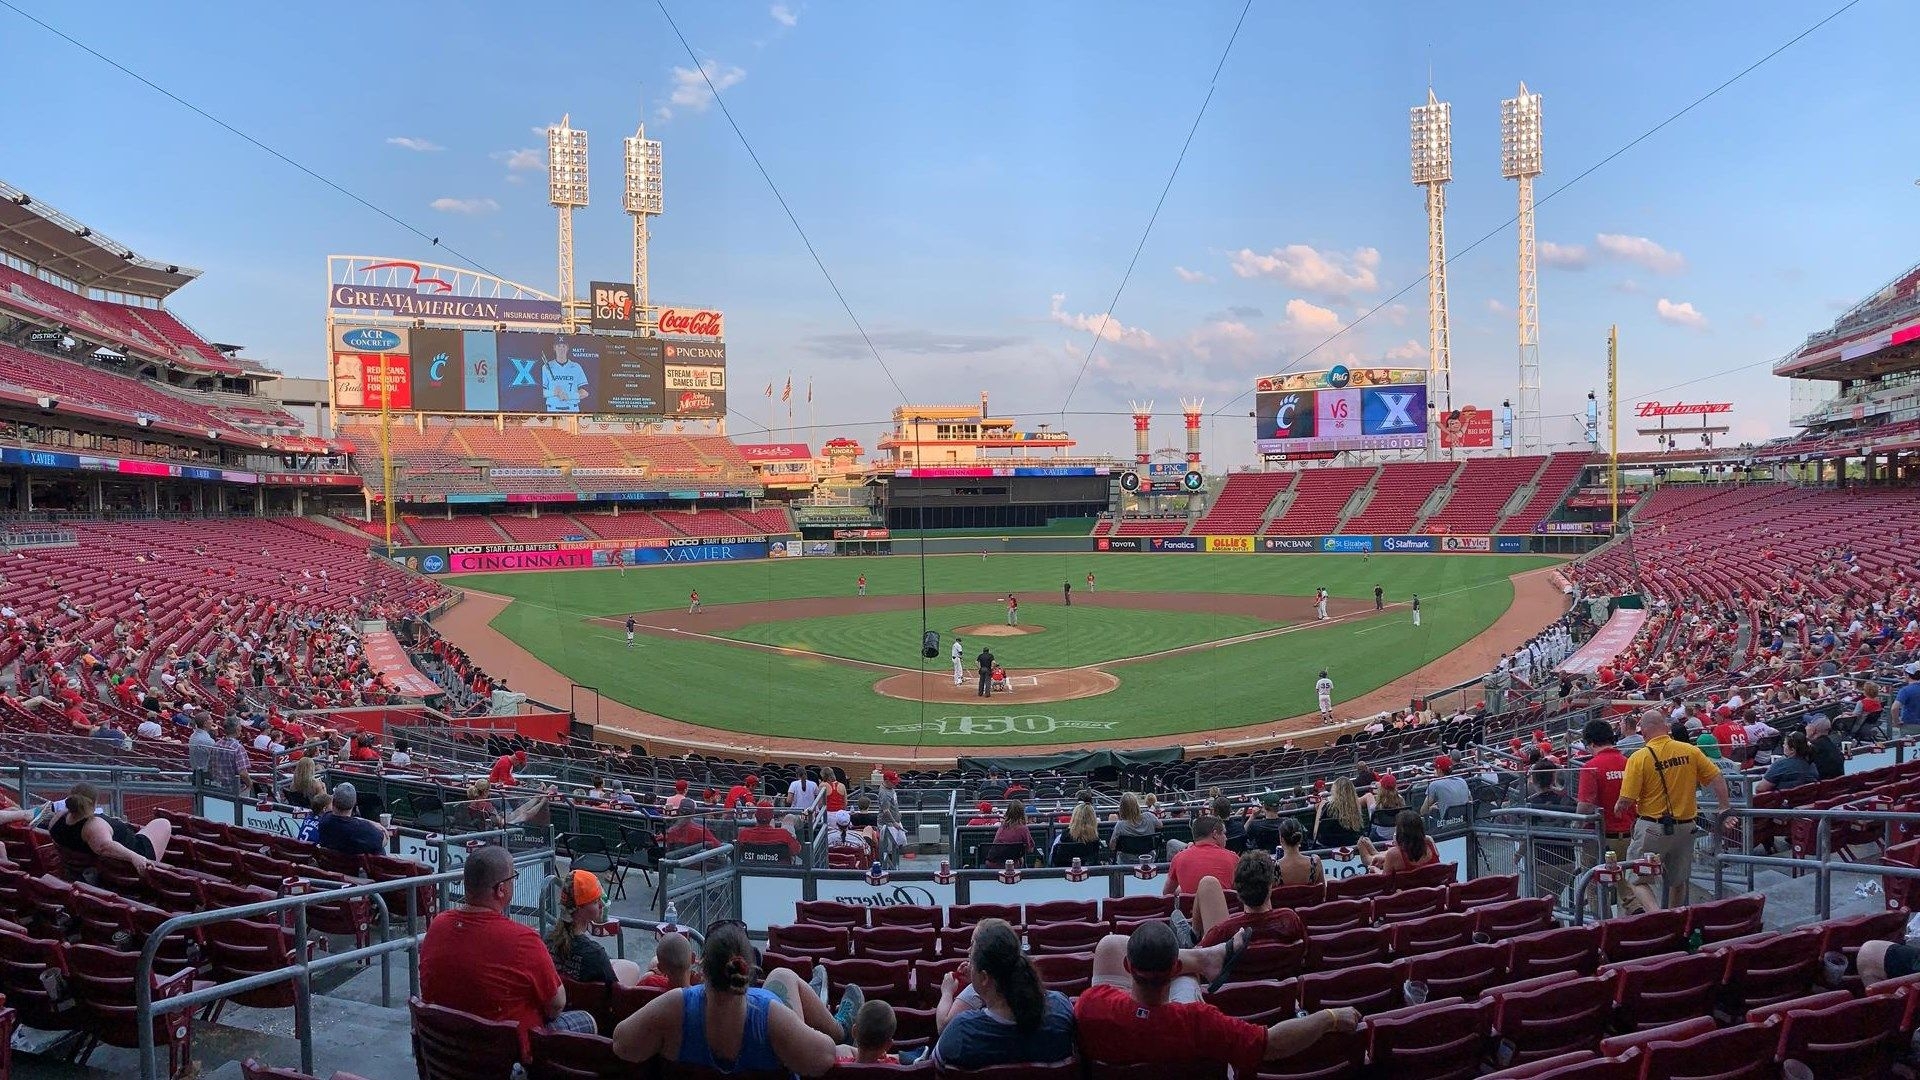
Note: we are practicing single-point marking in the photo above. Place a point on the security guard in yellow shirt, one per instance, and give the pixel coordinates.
(1660, 787)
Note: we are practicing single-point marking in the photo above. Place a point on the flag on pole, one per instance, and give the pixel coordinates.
(787, 393)
(769, 389)
(809, 391)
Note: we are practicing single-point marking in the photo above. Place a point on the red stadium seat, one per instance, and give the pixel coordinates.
(1431, 933)
(571, 1055)
(1764, 972)
(1546, 952)
(1062, 911)
(1571, 1014)
(1463, 972)
(830, 913)
(1440, 1040)
(1405, 904)
(1474, 892)
(1064, 937)
(1741, 1052)
(1665, 990)
(452, 1045)
(1718, 920)
(1069, 973)
(1650, 933)
(918, 916)
(1513, 918)
(1370, 988)
(1848, 1040)
(1263, 1002)
(1344, 948)
(892, 942)
(1333, 916)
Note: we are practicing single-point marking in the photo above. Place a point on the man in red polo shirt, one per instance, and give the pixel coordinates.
(478, 960)
(742, 791)
(1207, 856)
(1600, 778)
(1254, 877)
(1143, 1008)
(764, 831)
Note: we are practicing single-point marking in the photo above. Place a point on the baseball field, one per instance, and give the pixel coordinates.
(1165, 645)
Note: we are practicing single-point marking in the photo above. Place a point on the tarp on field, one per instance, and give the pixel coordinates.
(1075, 762)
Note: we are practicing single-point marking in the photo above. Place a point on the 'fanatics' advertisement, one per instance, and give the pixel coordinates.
(1176, 543)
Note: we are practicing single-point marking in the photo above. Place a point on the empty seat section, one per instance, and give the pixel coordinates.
(1398, 495)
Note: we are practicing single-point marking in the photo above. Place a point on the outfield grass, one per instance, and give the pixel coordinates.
(1072, 636)
(755, 691)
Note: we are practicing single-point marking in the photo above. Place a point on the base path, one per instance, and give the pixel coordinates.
(1537, 601)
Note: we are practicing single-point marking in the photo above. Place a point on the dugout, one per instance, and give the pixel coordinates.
(991, 502)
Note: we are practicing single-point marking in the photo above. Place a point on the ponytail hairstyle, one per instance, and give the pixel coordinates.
(726, 960)
(996, 953)
(82, 799)
(560, 938)
(1291, 834)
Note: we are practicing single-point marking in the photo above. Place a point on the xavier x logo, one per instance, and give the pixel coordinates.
(1398, 406)
(522, 372)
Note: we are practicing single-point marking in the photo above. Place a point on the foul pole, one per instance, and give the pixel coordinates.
(1613, 423)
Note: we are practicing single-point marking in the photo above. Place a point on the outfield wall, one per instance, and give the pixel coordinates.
(587, 554)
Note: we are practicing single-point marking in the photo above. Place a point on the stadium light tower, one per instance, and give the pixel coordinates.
(566, 191)
(643, 200)
(1432, 139)
(1520, 160)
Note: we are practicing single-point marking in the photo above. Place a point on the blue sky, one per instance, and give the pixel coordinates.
(976, 177)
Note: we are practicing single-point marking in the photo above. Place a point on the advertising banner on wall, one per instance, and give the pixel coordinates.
(692, 323)
(1289, 543)
(613, 306)
(1408, 543)
(462, 562)
(1346, 545)
(1116, 543)
(1175, 543)
(1467, 428)
(1466, 543)
(1510, 543)
(703, 553)
(1229, 543)
(360, 380)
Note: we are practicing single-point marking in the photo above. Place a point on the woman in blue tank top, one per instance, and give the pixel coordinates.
(725, 1023)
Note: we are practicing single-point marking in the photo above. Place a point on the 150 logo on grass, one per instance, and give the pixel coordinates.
(997, 725)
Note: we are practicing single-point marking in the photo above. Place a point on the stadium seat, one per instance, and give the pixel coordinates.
(1333, 916)
(1547, 952)
(102, 981)
(916, 916)
(830, 913)
(966, 915)
(1370, 988)
(1466, 971)
(1070, 1069)
(1575, 1066)
(1664, 990)
(1061, 911)
(1432, 933)
(892, 942)
(1297, 896)
(1650, 933)
(1475, 892)
(1271, 960)
(1763, 972)
(452, 1045)
(1741, 1052)
(1848, 1040)
(1359, 887)
(1405, 904)
(1345, 948)
(1512, 918)
(1718, 920)
(1064, 937)
(803, 938)
(1261, 1002)
(569, 1055)
(1430, 876)
(1440, 1040)
(883, 979)
(1569, 1014)
(1069, 973)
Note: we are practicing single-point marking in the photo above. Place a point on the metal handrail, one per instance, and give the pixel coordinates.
(302, 970)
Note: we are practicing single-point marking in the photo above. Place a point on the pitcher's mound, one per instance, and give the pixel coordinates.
(1028, 686)
(996, 630)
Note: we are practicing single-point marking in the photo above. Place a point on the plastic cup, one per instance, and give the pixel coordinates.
(1414, 991)
(386, 821)
(1834, 967)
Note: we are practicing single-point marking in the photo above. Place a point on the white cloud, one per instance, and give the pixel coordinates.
(1496, 307)
(1407, 350)
(784, 15)
(408, 142)
(1630, 287)
(520, 160)
(1564, 256)
(1302, 267)
(1640, 251)
(690, 89)
(1109, 329)
(1679, 314)
(1397, 314)
(448, 205)
(1302, 315)
(1192, 276)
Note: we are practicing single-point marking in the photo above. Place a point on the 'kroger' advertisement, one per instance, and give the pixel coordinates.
(691, 553)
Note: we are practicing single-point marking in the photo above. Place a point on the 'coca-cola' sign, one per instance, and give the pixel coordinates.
(706, 324)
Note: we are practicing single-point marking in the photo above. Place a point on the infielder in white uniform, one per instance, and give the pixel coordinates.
(1324, 688)
(959, 663)
(1320, 606)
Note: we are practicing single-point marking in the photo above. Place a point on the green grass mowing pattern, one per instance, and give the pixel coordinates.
(753, 691)
(1072, 636)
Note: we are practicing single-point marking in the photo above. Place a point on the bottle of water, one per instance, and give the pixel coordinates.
(670, 922)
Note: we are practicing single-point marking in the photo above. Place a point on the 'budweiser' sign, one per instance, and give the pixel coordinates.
(1705, 408)
(705, 324)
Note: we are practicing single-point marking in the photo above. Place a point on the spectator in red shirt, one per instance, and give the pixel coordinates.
(1013, 828)
(1206, 857)
(502, 772)
(1254, 876)
(1599, 789)
(742, 791)
(672, 964)
(1731, 734)
(764, 831)
(672, 803)
(1144, 1008)
(478, 960)
(983, 815)
(688, 831)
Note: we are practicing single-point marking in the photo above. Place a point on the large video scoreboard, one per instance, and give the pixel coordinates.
(1341, 408)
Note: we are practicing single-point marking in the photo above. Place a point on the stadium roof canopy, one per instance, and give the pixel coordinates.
(53, 241)
(1878, 336)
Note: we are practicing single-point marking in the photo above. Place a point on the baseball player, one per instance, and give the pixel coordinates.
(1013, 611)
(1320, 602)
(1416, 609)
(862, 583)
(693, 602)
(629, 631)
(1066, 592)
(1089, 581)
(1323, 688)
(959, 663)
(1379, 598)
